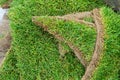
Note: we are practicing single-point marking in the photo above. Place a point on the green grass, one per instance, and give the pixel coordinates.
(82, 36)
(88, 19)
(109, 66)
(4, 1)
(34, 54)
(1, 36)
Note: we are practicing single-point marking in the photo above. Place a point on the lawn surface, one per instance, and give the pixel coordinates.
(109, 66)
(80, 35)
(34, 53)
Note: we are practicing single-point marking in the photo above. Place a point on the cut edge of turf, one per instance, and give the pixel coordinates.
(77, 52)
(99, 43)
(98, 47)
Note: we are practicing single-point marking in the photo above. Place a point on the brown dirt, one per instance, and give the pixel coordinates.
(98, 47)
(6, 39)
(76, 50)
(78, 17)
(6, 5)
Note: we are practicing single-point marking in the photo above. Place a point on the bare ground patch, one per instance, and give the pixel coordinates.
(5, 40)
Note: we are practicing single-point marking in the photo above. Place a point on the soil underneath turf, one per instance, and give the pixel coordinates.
(99, 39)
(5, 38)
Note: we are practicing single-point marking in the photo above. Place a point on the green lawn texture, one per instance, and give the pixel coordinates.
(79, 35)
(109, 66)
(34, 53)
